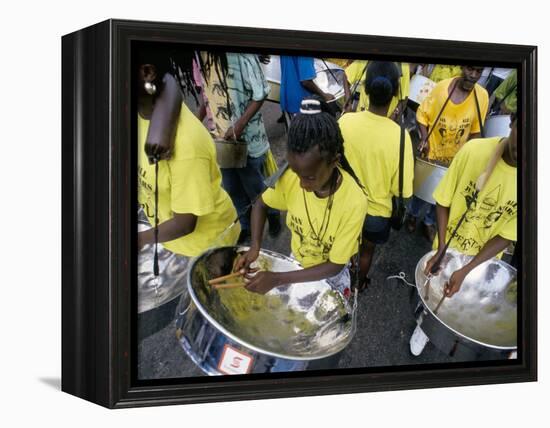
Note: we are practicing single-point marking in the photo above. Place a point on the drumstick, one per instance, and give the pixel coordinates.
(225, 277)
(440, 303)
(229, 285)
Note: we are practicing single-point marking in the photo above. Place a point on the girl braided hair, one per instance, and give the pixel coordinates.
(316, 126)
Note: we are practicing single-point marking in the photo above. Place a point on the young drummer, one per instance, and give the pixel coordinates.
(325, 203)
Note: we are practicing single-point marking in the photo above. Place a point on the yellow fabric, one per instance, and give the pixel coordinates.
(442, 72)
(356, 72)
(270, 166)
(455, 125)
(342, 62)
(340, 242)
(189, 182)
(371, 145)
(495, 212)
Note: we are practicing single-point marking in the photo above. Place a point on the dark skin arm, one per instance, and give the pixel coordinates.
(424, 145)
(262, 282)
(490, 249)
(164, 116)
(178, 226)
(252, 108)
(312, 87)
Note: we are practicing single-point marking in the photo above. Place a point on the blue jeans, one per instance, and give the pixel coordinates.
(417, 207)
(243, 185)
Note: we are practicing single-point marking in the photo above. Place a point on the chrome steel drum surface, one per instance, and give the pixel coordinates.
(485, 308)
(497, 126)
(172, 269)
(427, 176)
(299, 321)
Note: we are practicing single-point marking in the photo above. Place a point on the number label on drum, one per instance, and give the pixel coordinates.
(234, 361)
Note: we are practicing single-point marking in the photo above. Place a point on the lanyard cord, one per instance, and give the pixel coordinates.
(156, 230)
(481, 130)
(441, 111)
(328, 208)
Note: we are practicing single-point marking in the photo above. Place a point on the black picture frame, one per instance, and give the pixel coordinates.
(98, 217)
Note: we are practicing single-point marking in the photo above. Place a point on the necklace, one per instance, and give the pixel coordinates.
(320, 234)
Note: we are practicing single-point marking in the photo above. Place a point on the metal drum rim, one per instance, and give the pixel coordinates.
(419, 159)
(231, 335)
(487, 345)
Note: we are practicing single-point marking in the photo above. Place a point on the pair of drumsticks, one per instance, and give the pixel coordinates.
(218, 282)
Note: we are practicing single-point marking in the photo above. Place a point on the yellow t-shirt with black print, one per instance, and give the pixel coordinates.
(457, 122)
(313, 241)
(356, 71)
(495, 212)
(189, 183)
(371, 145)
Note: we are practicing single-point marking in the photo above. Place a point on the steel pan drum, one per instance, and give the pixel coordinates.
(420, 87)
(325, 79)
(172, 269)
(497, 125)
(427, 176)
(234, 331)
(484, 311)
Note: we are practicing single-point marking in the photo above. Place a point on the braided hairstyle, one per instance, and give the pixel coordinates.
(382, 82)
(178, 61)
(316, 126)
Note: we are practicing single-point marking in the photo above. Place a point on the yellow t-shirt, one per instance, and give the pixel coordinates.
(457, 122)
(371, 145)
(338, 241)
(356, 72)
(189, 182)
(495, 212)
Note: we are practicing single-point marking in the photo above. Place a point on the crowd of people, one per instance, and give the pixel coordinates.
(349, 170)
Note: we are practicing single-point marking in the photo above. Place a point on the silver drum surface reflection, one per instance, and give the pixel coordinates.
(172, 268)
(485, 309)
(298, 322)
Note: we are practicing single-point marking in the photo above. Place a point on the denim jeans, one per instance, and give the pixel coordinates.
(422, 210)
(243, 185)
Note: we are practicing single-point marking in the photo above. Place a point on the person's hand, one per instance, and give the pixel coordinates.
(423, 148)
(328, 97)
(348, 108)
(157, 151)
(264, 59)
(261, 282)
(431, 263)
(245, 260)
(455, 282)
(233, 133)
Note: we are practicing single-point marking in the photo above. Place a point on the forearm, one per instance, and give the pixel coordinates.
(201, 113)
(257, 223)
(312, 87)
(168, 230)
(314, 273)
(423, 131)
(491, 248)
(442, 214)
(252, 108)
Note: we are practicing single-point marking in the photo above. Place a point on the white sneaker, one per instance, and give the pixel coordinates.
(418, 341)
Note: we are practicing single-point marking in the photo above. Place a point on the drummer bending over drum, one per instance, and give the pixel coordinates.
(452, 110)
(490, 223)
(325, 202)
(372, 143)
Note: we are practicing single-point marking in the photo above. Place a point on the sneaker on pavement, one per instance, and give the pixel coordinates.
(418, 341)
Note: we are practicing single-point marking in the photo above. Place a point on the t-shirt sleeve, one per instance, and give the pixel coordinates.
(346, 242)
(483, 99)
(425, 109)
(353, 71)
(276, 198)
(253, 77)
(191, 187)
(408, 167)
(306, 68)
(445, 190)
